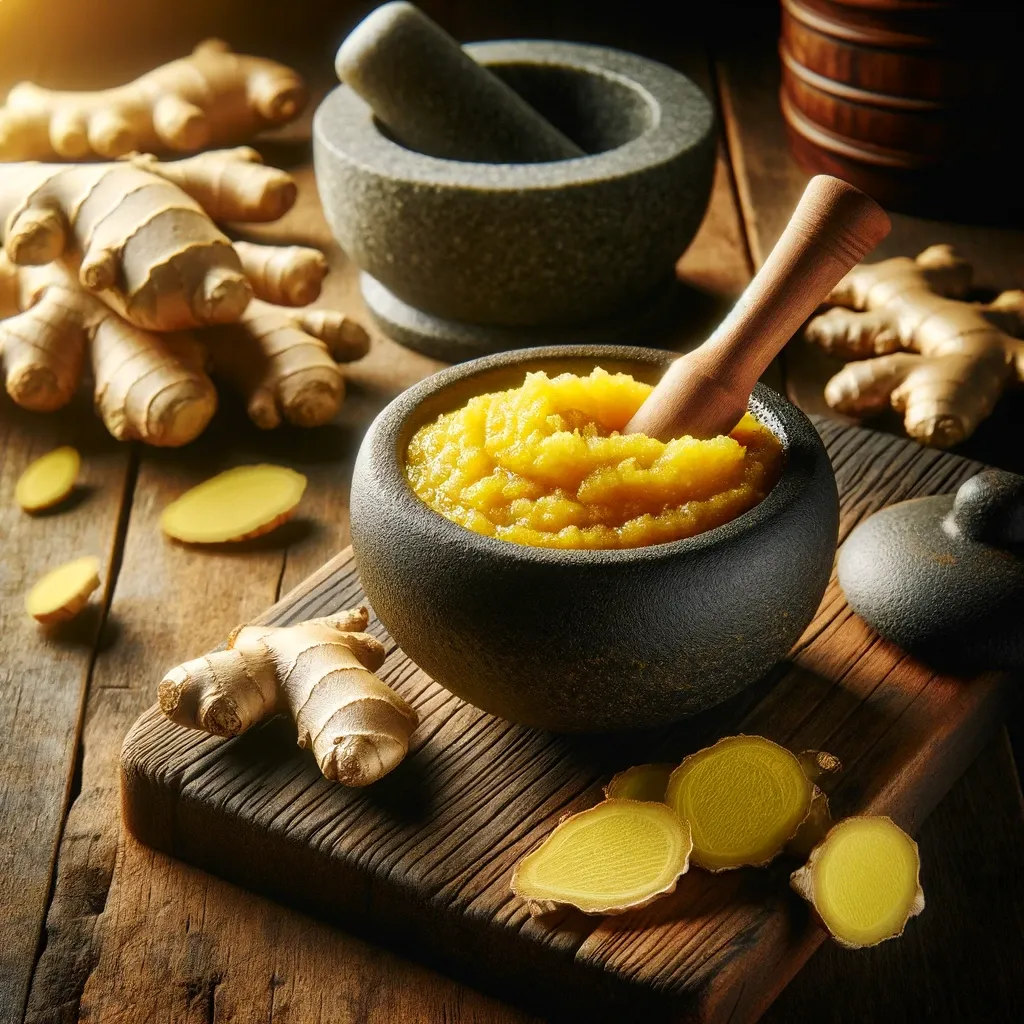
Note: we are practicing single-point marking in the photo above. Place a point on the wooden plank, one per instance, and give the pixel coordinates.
(171, 602)
(425, 857)
(769, 183)
(44, 674)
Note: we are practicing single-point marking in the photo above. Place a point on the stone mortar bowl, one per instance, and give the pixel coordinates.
(535, 246)
(590, 640)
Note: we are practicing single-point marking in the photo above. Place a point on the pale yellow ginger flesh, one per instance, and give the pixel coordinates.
(863, 881)
(744, 798)
(614, 857)
(62, 593)
(547, 464)
(321, 673)
(641, 782)
(916, 345)
(49, 480)
(235, 505)
(141, 234)
(211, 97)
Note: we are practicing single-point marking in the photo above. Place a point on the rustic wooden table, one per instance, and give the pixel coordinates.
(94, 926)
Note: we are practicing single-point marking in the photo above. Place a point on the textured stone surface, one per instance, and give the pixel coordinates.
(529, 244)
(943, 577)
(455, 340)
(590, 640)
(434, 98)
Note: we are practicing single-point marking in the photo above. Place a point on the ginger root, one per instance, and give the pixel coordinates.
(140, 234)
(321, 672)
(284, 362)
(940, 361)
(62, 593)
(238, 504)
(617, 856)
(48, 480)
(148, 387)
(863, 881)
(154, 387)
(744, 798)
(641, 782)
(212, 97)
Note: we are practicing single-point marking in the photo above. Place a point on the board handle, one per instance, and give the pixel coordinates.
(705, 392)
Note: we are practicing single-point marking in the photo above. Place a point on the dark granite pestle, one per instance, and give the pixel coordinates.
(435, 99)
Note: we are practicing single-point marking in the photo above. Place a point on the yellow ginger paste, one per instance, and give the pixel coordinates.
(545, 464)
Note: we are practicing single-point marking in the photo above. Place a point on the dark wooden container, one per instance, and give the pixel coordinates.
(912, 100)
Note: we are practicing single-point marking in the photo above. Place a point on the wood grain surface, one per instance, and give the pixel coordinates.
(135, 936)
(424, 858)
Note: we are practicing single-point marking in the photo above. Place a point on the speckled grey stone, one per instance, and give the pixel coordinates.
(590, 640)
(529, 245)
(434, 98)
(454, 341)
(943, 577)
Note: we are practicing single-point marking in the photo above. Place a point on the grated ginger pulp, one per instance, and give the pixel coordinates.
(546, 464)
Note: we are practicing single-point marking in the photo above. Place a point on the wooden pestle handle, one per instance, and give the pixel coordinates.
(705, 392)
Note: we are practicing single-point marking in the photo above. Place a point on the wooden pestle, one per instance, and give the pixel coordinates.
(705, 392)
(434, 98)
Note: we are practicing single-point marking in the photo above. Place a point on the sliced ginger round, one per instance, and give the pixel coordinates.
(641, 782)
(237, 504)
(49, 480)
(863, 881)
(62, 593)
(743, 798)
(617, 856)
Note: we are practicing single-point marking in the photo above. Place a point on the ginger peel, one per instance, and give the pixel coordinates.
(154, 387)
(211, 97)
(321, 672)
(48, 480)
(916, 345)
(63, 592)
(284, 362)
(617, 856)
(863, 881)
(238, 504)
(641, 782)
(141, 234)
(148, 387)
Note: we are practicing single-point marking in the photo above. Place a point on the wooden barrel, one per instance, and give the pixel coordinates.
(912, 100)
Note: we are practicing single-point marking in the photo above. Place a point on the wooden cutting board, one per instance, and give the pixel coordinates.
(422, 860)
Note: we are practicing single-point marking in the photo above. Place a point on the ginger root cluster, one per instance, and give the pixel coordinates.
(121, 268)
(916, 344)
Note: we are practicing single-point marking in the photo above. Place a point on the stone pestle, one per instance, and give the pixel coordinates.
(434, 98)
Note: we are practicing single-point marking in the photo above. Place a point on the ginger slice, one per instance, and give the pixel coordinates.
(237, 504)
(744, 798)
(863, 881)
(48, 480)
(62, 593)
(617, 856)
(641, 782)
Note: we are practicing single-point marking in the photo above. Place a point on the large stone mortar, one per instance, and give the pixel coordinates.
(590, 640)
(524, 251)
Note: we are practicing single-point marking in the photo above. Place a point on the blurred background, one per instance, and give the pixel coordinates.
(92, 42)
